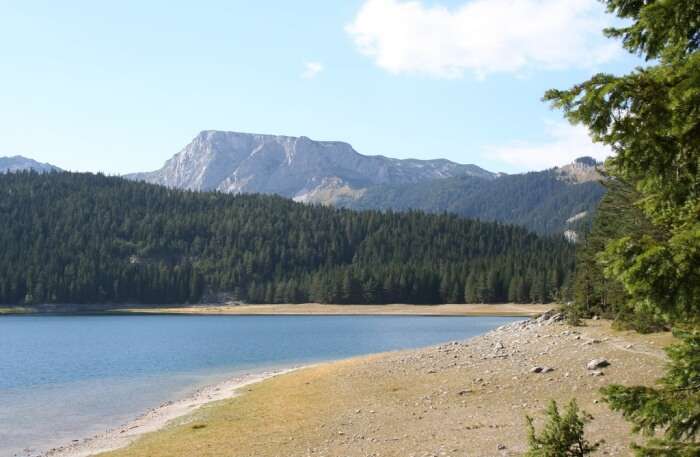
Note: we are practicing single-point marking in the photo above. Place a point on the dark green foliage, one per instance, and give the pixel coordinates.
(562, 436)
(651, 120)
(573, 314)
(541, 201)
(659, 29)
(672, 408)
(83, 238)
(595, 293)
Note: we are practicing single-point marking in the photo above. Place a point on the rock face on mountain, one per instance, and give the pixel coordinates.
(295, 167)
(583, 169)
(19, 163)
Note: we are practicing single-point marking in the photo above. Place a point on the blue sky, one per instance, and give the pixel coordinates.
(121, 86)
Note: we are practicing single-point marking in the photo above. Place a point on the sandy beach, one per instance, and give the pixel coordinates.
(464, 398)
(509, 309)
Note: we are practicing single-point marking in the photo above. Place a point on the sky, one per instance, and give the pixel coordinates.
(120, 87)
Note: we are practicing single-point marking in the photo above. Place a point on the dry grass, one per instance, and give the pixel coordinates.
(456, 400)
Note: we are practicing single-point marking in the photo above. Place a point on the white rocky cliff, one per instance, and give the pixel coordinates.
(295, 167)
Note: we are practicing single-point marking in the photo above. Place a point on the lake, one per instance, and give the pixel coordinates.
(69, 377)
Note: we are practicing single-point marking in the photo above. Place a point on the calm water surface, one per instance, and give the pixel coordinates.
(68, 377)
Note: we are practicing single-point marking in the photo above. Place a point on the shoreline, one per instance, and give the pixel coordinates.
(154, 417)
(461, 398)
(174, 412)
(315, 309)
(159, 417)
(302, 309)
(458, 397)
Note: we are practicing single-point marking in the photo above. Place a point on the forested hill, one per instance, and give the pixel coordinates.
(543, 201)
(84, 238)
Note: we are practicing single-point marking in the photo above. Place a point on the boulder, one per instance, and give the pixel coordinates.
(597, 363)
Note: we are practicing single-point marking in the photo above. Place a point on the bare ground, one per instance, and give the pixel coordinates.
(510, 309)
(459, 399)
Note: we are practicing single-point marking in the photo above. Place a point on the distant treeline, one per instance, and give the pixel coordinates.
(85, 238)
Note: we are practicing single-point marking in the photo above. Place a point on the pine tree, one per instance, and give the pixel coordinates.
(470, 289)
(651, 120)
(562, 436)
(513, 289)
(673, 407)
(594, 293)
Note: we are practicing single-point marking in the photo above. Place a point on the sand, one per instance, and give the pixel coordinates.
(510, 309)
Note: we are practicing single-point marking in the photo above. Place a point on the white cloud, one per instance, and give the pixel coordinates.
(565, 143)
(482, 36)
(312, 69)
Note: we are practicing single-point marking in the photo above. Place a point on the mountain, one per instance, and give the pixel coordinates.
(298, 168)
(333, 173)
(558, 200)
(82, 238)
(19, 163)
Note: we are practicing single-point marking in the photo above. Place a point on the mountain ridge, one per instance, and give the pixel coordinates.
(334, 173)
(294, 167)
(555, 200)
(12, 164)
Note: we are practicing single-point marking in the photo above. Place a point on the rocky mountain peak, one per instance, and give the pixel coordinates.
(294, 167)
(583, 169)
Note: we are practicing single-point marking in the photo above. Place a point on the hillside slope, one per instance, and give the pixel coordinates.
(549, 201)
(83, 238)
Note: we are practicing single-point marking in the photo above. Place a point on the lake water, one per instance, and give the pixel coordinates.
(68, 377)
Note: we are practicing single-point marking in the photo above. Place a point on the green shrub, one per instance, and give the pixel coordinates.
(562, 436)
